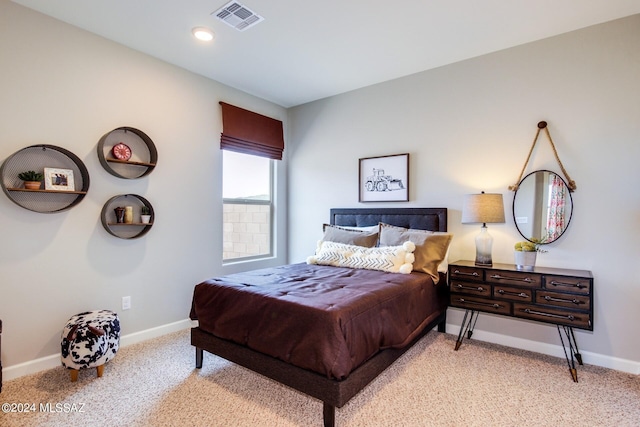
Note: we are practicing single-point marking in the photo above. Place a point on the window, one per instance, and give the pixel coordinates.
(250, 144)
(247, 183)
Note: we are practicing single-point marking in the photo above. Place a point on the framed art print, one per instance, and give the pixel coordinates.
(384, 179)
(58, 179)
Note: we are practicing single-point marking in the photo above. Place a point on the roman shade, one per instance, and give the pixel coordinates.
(247, 132)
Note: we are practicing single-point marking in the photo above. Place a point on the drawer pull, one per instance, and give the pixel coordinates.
(578, 285)
(471, 288)
(519, 279)
(487, 304)
(517, 294)
(574, 301)
(461, 273)
(539, 313)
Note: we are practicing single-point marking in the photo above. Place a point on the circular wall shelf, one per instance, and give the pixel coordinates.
(144, 155)
(66, 179)
(123, 230)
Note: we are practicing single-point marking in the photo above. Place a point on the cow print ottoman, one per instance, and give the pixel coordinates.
(89, 340)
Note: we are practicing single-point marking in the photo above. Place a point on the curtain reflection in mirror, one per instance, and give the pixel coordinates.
(557, 198)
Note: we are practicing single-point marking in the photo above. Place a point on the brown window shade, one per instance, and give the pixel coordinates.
(247, 132)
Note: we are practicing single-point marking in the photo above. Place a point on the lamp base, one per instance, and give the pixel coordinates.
(483, 264)
(484, 242)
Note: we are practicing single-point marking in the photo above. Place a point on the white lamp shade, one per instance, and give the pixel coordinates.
(483, 208)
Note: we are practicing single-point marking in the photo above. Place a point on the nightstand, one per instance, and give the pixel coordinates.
(551, 295)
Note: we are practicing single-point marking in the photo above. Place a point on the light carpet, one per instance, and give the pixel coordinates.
(154, 383)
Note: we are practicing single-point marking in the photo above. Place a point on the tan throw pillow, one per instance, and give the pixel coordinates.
(337, 234)
(393, 259)
(431, 248)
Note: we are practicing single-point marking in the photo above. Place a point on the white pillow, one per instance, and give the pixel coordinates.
(367, 228)
(393, 259)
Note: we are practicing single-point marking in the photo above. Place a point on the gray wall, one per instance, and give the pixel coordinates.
(62, 86)
(468, 127)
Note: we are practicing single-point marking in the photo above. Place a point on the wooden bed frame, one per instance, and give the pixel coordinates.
(333, 393)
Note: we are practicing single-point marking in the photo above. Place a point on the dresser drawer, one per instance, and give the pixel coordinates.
(578, 302)
(514, 278)
(558, 316)
(480, 289)
(466, 273)
(481, 304)
(579, 285)
(513, 293)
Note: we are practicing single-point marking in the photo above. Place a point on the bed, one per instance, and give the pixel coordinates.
(316, 297)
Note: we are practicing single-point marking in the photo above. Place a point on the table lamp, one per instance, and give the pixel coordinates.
(483, 208)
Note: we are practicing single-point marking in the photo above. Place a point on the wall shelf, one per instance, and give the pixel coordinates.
(131, 163)
(144, 155)
(27, 190)
(131, 230)
(36, 158)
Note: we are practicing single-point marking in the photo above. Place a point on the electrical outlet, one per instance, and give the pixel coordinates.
(126, 303)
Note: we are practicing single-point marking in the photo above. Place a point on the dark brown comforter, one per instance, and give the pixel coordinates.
(322, 318)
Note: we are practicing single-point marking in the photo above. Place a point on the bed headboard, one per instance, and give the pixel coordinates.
(433, 219)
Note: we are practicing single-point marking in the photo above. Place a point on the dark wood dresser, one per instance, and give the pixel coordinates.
(552, 295)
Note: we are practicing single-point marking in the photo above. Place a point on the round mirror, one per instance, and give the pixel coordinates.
(542, 207)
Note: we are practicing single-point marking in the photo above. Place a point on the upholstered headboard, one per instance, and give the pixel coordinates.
(433, 219)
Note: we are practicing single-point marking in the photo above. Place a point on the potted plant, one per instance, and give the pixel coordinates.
(525, 254)
(32, 179)
(145, 214)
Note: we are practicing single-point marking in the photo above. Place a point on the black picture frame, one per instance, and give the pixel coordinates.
(384, 178)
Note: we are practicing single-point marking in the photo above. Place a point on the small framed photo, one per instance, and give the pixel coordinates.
(384, 179)
(58, 179)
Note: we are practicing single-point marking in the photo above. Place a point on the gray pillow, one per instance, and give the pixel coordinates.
(333, 233)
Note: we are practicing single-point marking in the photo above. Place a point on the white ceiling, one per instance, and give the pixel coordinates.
(310, 49)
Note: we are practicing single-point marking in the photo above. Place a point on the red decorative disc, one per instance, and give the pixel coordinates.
(121, 151)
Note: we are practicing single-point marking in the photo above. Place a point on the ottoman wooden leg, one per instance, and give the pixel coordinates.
(100, 370)
(74, 375)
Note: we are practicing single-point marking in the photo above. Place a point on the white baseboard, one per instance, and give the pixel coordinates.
(53, 361)
(588, 357)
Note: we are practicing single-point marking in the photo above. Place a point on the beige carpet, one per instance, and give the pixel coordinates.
(155, 384)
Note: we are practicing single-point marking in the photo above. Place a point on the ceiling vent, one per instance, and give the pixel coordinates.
(237, 16)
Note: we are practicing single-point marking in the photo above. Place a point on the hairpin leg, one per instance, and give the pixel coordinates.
(572, 354)
(467, 326)
(577, 352)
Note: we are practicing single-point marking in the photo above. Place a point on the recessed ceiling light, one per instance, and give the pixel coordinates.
(202, 33)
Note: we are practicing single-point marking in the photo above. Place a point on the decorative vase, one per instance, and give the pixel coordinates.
(145, 219)
(525, 261)
(32, 185)
(128, 214)
(119, 214)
